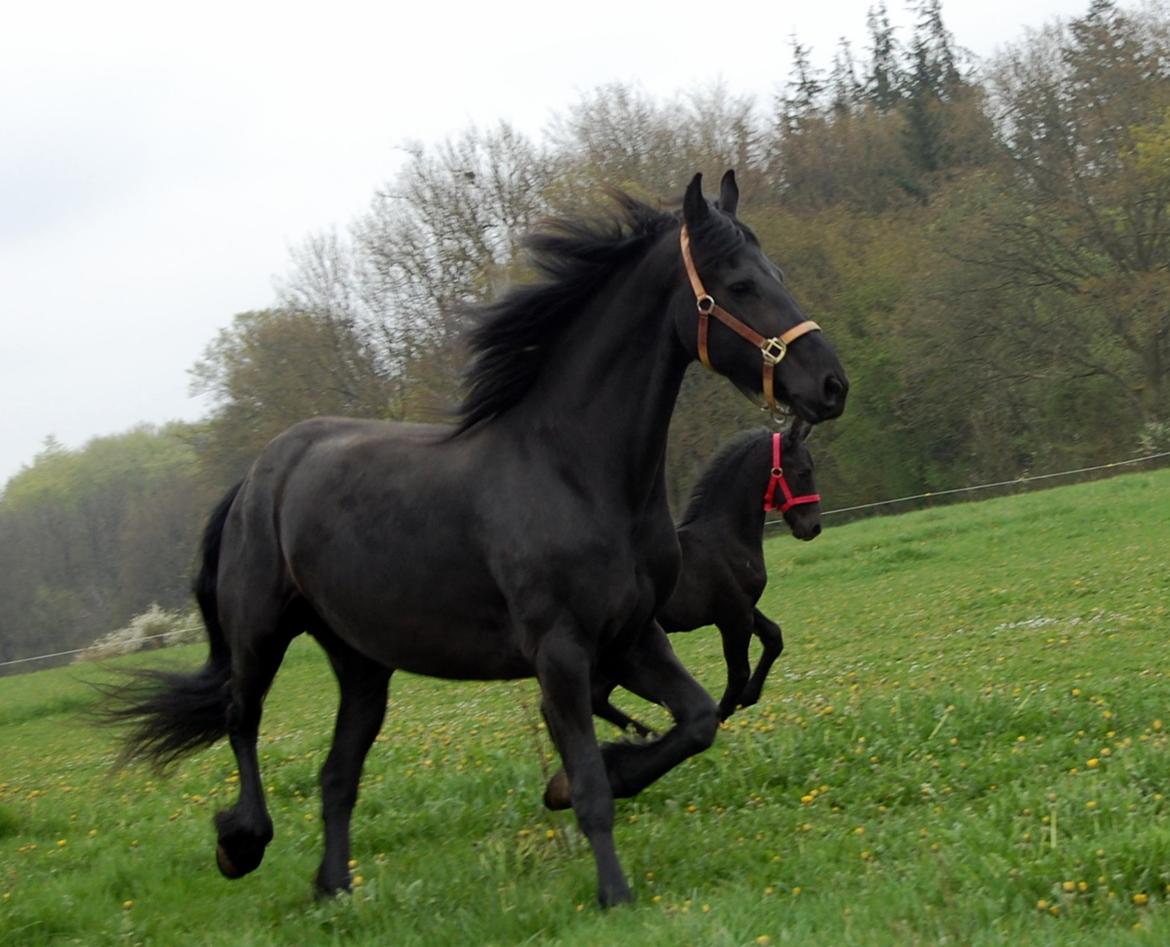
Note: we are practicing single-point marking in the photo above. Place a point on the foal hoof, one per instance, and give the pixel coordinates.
(557, 794)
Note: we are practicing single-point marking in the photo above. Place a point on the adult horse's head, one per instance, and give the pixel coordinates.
(741, 319)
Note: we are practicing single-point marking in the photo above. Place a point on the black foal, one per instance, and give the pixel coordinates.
(723, 573)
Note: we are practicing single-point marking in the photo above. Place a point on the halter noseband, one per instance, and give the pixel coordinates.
(773, 350)
(778, 480)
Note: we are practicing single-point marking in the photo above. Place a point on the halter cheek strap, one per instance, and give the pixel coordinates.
(773, 350)
(778, 480)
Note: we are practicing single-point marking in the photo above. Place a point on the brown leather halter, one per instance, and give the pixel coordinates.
(773, 350)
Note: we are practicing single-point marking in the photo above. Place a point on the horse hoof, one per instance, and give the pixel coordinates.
(611, 899)
(557, 794)
(327, 892)
(226, 868)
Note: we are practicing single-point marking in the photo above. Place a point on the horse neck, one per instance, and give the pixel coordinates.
(607, 392)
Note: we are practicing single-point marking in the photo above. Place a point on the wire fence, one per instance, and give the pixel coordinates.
(974, 488)
(877, 504)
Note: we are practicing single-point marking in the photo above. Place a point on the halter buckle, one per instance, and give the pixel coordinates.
(705, 304)
(774, 350)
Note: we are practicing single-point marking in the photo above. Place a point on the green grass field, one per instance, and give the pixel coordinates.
(965, 742)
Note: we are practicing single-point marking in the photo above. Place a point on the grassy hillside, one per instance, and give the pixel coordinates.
(964, 742)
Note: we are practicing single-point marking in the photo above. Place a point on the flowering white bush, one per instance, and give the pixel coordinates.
(154, 628)
(1155, 436)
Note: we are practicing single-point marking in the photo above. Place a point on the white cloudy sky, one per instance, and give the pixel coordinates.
(158, 159)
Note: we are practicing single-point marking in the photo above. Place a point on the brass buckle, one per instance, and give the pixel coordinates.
(706, 304)
(774, 350)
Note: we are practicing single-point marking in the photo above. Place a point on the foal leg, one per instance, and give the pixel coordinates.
(651, 670)
(737, 635)
(245, 829)
(769, 634)
(603, 708)
(562, 667)
(364, 686)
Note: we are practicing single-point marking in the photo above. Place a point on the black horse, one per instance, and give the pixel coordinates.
(532, 538)
(723, 575)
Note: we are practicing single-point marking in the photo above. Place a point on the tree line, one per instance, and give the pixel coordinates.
(986, 245)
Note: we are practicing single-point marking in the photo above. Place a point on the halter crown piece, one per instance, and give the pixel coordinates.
(773, 350)
(778, 481)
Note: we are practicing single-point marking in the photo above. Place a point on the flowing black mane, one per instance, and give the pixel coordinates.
(711, 486)
(513, 335)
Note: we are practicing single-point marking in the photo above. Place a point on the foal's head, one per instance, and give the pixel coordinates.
(804, 516)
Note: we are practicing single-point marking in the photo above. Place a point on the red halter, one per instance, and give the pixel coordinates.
(778, 478)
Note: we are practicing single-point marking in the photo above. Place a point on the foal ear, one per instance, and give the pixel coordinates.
(800, 429)
(729, 192)
(695, 207)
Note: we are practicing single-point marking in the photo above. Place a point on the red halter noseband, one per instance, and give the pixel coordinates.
(778, 478)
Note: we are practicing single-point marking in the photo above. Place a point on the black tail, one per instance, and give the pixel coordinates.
(173, 713)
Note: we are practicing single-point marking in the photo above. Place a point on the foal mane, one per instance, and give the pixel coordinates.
(710, 488)
(513, 335)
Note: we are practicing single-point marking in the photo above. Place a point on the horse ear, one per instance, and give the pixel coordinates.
(695, 207)
(729, 192)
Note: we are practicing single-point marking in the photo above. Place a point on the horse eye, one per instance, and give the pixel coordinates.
(742, 288)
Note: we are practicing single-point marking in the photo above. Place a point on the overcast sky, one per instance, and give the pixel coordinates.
(157, 160)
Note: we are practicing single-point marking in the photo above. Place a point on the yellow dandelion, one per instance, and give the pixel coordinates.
(1141, 899)
(1041, 905)
(1093, 763)
(1069, 886)
(127, 905)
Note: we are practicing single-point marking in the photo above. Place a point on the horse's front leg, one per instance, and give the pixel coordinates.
(651, 670)
(563, 669)
(773, 641)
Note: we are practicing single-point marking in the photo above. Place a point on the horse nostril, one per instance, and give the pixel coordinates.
(816, 530)
(835, 389)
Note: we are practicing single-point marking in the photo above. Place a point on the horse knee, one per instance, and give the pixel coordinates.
(701, 724)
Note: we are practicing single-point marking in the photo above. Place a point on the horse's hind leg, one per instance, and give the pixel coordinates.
(773, 641)
(245, 829)
(364, 686)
